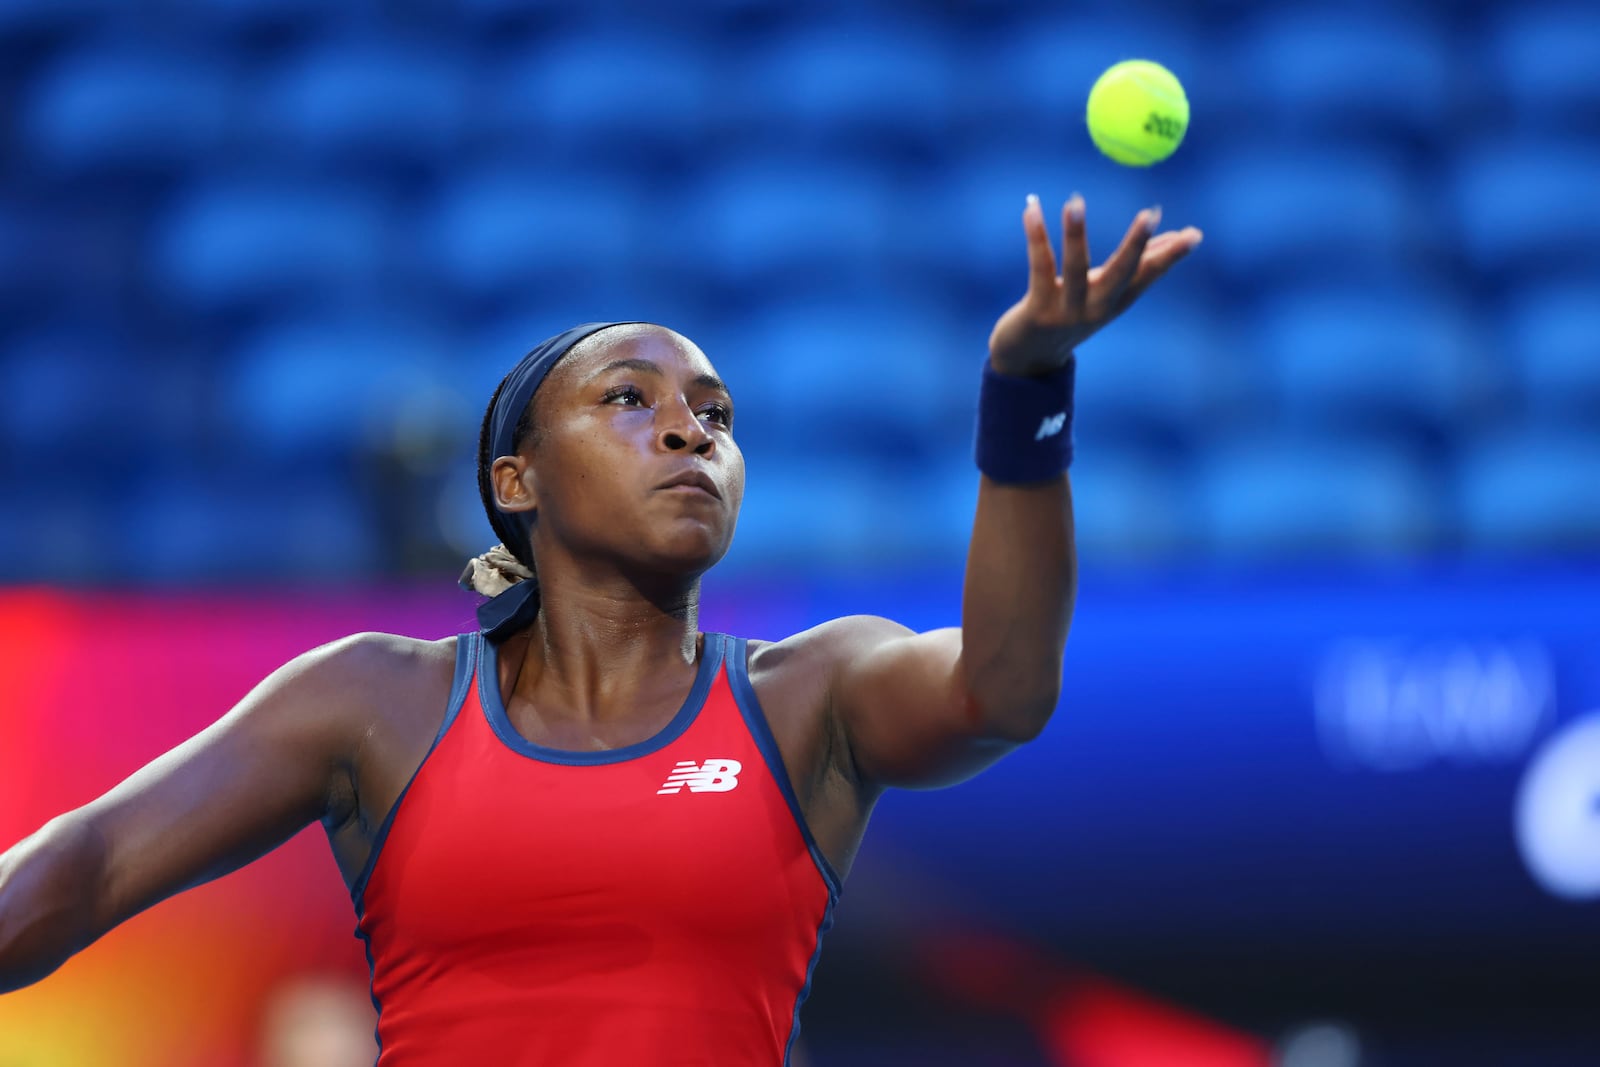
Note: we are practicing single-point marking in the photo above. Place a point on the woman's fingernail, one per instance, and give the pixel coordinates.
(1075, 207)
(1152, 219)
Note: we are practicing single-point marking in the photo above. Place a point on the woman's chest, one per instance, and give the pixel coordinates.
(698, 834)
(573, 813)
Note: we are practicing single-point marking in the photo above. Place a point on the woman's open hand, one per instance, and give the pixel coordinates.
(1039, 333)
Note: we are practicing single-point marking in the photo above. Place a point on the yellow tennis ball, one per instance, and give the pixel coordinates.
(1138, 113)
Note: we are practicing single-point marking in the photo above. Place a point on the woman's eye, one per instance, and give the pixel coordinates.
(717, 414)
(626, 395)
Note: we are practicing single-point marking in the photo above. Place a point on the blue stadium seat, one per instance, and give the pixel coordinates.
(117, 105)
(459, 510)
(828, 202)
(494, 15)
(1527, 205)
(196, 526)
(894, 373)
(505, 227)
(1362, 355)
(19, 531)
(248, 241)
(1128, 506)
(489, 352)
(14, 240)
(1552, 333)
(1167, 367)
(58, 535)
(67, 389)
(827, 506)
(1545, 57)
(882, 83)
(355, 97)
(787, 219)
(55, 251)
(1369, 71)
(302, 387)
(1294, 214)
(1282, 495)
(603, 93)
(275, 15)
(22, 17)
(1531, 489)
(753, 9)
(936, 500)
(971, 226)
(815, 509)
(1035, 77)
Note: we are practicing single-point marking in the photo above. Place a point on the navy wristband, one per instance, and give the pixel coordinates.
(1025, 425)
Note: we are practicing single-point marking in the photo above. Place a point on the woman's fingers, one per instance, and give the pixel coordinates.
(1074, 257)
(1093, 295)
(1041, 257)
(1159, 257)
(1123, 266)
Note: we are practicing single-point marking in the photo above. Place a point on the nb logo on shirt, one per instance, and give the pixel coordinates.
(712, 776)
(1051, 425)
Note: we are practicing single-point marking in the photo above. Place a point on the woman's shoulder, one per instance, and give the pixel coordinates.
(825, 645)
(376, 667)
(805, 664)
(377, 648)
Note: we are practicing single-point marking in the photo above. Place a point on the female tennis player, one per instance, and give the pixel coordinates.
(589, 833)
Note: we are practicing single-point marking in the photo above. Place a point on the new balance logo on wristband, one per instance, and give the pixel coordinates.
(712, 776)
(1051, 425)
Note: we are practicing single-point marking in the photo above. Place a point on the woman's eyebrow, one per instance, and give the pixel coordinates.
(711, 381)
(644, 366)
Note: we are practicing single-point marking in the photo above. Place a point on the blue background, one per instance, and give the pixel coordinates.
(310, 238)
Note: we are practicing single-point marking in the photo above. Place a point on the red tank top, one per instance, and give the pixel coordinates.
(652, 905)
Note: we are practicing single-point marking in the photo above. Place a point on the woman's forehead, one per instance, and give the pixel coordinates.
(669, 350)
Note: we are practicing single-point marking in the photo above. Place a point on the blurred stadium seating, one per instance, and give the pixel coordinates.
(275, 225)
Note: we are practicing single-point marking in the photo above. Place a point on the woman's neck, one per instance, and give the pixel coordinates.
(603, 646)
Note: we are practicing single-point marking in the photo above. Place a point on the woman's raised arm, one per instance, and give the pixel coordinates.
(929, 709)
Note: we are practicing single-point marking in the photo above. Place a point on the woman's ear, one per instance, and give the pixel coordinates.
(512, 478)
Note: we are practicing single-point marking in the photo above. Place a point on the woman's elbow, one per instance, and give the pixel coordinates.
(1020, 716)
(46, 883)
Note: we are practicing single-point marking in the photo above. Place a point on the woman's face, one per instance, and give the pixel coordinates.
(633, 455)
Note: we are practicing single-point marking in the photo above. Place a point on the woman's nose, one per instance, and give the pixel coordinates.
(682, 431)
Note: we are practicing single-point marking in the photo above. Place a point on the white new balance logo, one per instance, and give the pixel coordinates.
(712, 776)
(1051, 425)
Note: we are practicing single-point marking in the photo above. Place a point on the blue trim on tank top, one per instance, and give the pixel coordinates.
(755, 720)
(494, 709)
(466, 656)
(805, 991)
(372, 977)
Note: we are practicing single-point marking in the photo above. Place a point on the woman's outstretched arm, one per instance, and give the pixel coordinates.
(922, 710)
(277, 762)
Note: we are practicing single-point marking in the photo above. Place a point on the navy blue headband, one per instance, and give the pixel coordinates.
(517, 606)
(513, 401)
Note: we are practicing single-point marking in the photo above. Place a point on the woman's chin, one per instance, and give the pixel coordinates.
(690, 551)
